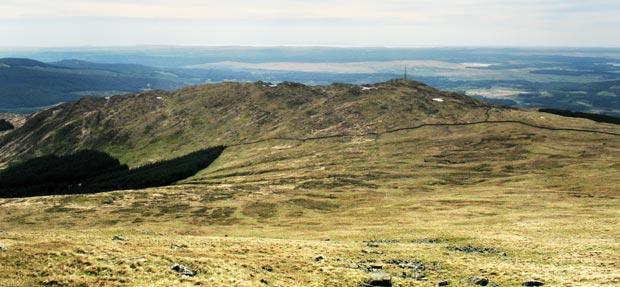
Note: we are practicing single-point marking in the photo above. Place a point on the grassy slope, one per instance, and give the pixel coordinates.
(263, 211)
(153, 125)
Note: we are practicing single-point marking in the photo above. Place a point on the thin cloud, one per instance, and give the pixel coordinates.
(281, 22)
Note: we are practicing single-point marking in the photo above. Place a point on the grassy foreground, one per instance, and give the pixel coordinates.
(502, 201)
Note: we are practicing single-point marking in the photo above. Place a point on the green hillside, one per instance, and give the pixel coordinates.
(147, 126)
(321, 186)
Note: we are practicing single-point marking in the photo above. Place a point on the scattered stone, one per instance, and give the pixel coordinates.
(427, 241)
(319, 258)
(371, 244)
(384, 241)
(417, 276)
(183, 270)
(268, 268)
(137, 259)
(181, 246)
(364, 251)
(443, 283)
(474, 249)
(376, 267)
(533, 283)
(411, 264)
(119, 238)
(478, 281)
(263, 281)
(380, 279)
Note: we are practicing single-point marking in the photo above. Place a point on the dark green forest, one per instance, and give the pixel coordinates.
(595, 117)
(5, 125)
(91, 171)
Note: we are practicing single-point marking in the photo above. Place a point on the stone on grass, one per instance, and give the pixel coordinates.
(179, 246)
(533, 283)
(478, 281)
(380, 279)
(183, 270)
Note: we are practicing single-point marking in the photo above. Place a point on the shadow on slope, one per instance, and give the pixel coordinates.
(89, 171)
(595, 117)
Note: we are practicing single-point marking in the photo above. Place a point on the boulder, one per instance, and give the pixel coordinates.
(380, 279)
(478, 281)
(533, 283)
(183, 270)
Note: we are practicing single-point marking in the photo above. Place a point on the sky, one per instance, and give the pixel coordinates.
(387, 23)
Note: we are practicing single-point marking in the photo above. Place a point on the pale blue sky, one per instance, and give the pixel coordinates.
(316, 22)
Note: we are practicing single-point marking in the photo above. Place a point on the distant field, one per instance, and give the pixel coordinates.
(495, 93)
(547, 77)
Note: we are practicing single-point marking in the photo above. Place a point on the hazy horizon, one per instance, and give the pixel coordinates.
(322, 23)
(307, 46)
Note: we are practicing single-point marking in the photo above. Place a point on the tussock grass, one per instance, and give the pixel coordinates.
(267, 212)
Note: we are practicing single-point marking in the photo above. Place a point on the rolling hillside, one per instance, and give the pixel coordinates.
(322, 186)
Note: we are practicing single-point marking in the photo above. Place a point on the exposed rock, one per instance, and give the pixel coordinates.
(427, 241)
(2, 247)
(412, 264)
(183, 270)
(416, 275)
(119, 238)
(137, 259)
(478, 281)
(364, 251)
(319, 258)
(379, 279)
(474, 249)
(443, 283)
(268, 268)
(533, 283)
(181, 246)
(384, 241)
(376, 267)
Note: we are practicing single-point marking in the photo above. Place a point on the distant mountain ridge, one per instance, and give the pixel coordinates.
(23, 62)
(26, 83)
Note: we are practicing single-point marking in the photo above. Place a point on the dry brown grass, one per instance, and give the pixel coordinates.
(262, 214)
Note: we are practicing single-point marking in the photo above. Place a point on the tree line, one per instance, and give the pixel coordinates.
(90, 171)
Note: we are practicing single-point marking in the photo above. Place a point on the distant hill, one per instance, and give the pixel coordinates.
(22, 62)
(26, 83)
(120, 68)
(155, 125)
